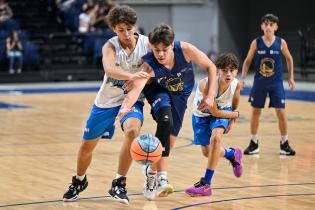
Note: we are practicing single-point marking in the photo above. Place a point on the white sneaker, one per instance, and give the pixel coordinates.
(150, 184)
(164, 188)
(11, 71)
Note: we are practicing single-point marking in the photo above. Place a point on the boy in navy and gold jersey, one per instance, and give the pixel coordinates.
(267, 52)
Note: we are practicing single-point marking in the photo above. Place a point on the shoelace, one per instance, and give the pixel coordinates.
(151, 182)
(73, 187)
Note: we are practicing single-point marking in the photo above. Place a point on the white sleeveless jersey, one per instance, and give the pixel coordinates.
(222, 101)
(111, 93)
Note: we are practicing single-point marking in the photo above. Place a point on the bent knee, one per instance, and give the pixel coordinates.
(131, 132)
(215, 140)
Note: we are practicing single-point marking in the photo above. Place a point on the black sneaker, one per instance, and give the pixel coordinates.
(118, 191)
(285, 149)
(252, 148)
(75, 188)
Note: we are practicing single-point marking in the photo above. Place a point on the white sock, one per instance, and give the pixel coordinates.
(284, 139)
(255, 138)
(80, 177)
(162, 174)
(118, 176)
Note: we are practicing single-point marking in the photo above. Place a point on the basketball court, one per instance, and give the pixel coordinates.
(40, 134)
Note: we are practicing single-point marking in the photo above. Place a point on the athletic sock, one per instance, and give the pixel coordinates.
(254, 138)
(229, 152)
(80, 177)
(284, 139)
(209, 175)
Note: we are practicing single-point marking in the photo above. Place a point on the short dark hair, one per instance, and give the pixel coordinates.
(227, 60)
(162, 33)
(270, 17)
(122, 14)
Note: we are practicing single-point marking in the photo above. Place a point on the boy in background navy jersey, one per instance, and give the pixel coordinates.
(267, 52)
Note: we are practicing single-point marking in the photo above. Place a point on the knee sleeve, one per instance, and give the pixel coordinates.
(164, 121)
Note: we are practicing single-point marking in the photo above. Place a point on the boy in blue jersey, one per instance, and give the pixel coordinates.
(267, 52)
(172, 80)
(209, 125)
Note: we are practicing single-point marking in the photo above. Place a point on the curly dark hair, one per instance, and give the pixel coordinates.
(162, 33)
(270, 17)
(122, 14)
(227, 60)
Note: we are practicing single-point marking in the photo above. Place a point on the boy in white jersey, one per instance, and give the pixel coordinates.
(121, 61)
(209, 125)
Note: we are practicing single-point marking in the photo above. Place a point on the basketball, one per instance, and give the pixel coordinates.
(146, 149)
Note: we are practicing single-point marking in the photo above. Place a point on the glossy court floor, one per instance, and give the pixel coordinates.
(40, 134)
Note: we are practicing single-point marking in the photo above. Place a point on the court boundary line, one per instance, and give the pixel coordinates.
(178, 191)
(243, 198)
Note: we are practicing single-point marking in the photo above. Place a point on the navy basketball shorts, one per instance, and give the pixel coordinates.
(259, 93)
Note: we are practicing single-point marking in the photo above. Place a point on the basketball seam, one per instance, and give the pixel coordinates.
(146, 154)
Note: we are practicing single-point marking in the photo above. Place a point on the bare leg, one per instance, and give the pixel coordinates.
(282, 120)
(215, 149)
(254, 121)
(131, 129)
(85, 155)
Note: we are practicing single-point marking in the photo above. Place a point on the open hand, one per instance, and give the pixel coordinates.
(122, 112)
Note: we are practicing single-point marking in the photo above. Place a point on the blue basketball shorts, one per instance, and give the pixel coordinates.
(101, 121)
(259, 93)
(159, 97)
(203, 126)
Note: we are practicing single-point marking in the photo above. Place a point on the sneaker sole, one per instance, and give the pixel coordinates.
(124, 201)
(196, 195)
(75, 198)
(256, 151)
(282, 152)
(166, 191)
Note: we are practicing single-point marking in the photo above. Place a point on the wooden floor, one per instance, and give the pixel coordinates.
(38, 148)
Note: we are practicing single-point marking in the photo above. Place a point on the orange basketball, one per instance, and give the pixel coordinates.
(146, 149)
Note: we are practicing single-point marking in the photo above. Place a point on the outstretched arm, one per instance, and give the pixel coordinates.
(193, 54)
(133, 95)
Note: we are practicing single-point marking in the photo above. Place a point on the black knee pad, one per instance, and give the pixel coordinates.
(164, 121)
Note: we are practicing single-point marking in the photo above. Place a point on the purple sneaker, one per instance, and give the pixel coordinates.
(201, 188)
(237, 162)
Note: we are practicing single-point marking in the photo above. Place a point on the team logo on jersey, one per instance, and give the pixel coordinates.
(267, 66)
(260, 52)
(174, 84)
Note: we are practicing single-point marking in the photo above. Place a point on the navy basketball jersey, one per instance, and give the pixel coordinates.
(180, 79)
(268, 62)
